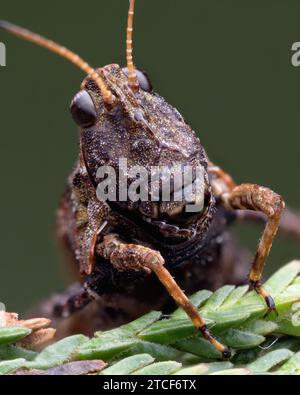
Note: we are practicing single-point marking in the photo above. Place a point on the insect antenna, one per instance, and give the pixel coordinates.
(132, 77)
(52, 46)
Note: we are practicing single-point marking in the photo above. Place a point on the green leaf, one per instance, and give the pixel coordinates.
(198, 346)
(11, 334)
(261, 327)
(9, 366)
(292, 365)
(282, 278)
(205, 368)
(240, 339)
(132, 328)
(227, 318)
(268, 361)
(197, 299)
(104, 347)
(168, 331)
(129, 365)
(159, 368)
(290, 323)
(58, 353)
(236, 372)
(151, 345)
(159, 351)
(141, 323)
(216, 300)
(12, 352)
(235, 296)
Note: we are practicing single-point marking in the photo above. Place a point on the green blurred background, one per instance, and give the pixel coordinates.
(224, 64)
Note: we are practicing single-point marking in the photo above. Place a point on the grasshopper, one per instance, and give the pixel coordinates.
(136, 247)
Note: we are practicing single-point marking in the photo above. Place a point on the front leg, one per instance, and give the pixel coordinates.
(257, 198)
(80, 219)
(126, 257)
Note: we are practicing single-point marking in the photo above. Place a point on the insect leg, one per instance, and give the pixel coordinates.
(256, 198)
(136, 257)
(289, 223)
(73, 299)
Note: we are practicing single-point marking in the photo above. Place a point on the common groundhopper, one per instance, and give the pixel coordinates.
(133, 255)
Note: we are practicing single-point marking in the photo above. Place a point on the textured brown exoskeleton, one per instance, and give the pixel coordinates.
(122, 249)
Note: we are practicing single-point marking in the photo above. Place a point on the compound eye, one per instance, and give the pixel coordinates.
(144, 80)
(83, 109)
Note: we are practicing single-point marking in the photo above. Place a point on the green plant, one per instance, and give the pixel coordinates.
(154, 344)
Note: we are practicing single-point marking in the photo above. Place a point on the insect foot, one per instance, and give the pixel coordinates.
(260, 290)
